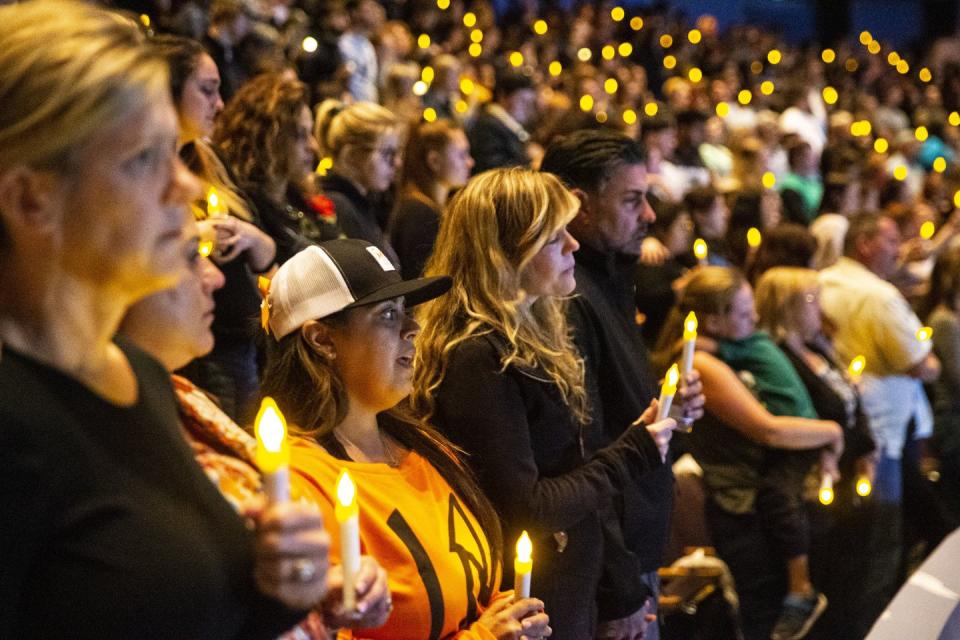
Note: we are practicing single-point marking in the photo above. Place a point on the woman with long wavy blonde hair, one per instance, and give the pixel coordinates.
(498, 374)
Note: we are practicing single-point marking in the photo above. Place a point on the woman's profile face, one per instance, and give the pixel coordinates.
(741, 321)
(381, 164)
(175, 324)
(125, 204)
(456, 162)
(200, 101)
(304, 149)
(374, 353)
(550, 271)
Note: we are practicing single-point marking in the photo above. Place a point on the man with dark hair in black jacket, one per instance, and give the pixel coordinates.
(606, 171)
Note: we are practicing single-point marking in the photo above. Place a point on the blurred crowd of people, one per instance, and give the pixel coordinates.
(461, 252)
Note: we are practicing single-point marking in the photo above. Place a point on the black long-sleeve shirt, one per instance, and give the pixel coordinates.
(529, 455)
(109, 528)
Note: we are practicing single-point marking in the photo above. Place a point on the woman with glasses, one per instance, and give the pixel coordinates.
(363, 142)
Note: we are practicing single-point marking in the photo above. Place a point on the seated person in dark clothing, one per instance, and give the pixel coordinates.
(436, 161)
(362, 140)
(498, 137)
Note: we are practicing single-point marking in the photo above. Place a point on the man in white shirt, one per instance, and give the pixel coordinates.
(873, 319)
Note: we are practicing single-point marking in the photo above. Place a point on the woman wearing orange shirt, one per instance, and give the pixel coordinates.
(340, 359)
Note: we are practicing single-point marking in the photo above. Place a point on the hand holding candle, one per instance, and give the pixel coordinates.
(348, 517)
(273, 451)
(522, 567)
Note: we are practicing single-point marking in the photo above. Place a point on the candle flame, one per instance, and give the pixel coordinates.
(346, 490)
(271, 428)
(924, 333)
(927, 229)
(753, 237)
(690, 325)
(524, 548)
(673, 377)
(213, 200)
(863, 486)
(700, 248)
(857, 365)
(826, 495)
(205, 248)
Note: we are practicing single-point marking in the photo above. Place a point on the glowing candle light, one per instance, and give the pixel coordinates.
(617, 14)
(695, 75)
(469, 19)
(767, 87)
(857, 365)
(667, 391)
(652, 108)
(927, 229)
(694, 36)
(924, 333)
(774, 57)
(273, 451)
(540, 27)
(744, 97)
(516, 59)
(828, 55)
(940, 164)
(215, 207)
(423, 41)
(522, 567)
(864, 488)
(309, 44)
(768, 180)
(700, 251)
(348, 517)
(830, 95)
(954, 119)
(723, 109)
(430, 114)
(689, 342)
(584, 54)
(586, 102)
(880, 145)
(826, 489)
(754, 238)
(921, 133)
(629, 116)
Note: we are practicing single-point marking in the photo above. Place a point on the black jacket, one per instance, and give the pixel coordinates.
(529, 455)
(493, 144)
(622, 385)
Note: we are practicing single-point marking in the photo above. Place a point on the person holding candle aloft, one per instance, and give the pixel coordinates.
(109, 528)
(759, 437)
(174, 327)
(500, 376)
(340, 359)
(788, 305)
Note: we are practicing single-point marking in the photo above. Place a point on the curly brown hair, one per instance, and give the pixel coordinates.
(257, 128)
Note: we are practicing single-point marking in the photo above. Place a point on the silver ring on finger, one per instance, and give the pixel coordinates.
(304, 570)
